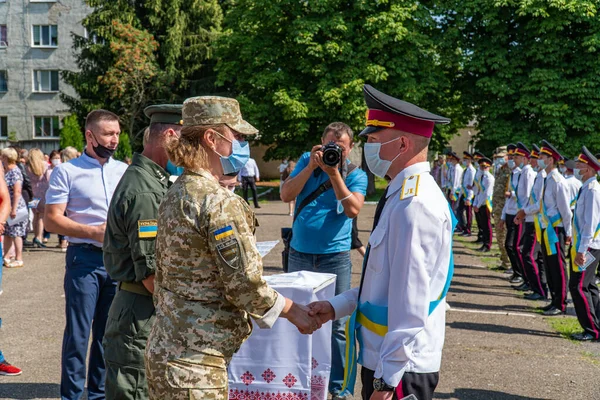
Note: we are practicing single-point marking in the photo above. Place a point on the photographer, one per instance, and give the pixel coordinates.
(321, 237)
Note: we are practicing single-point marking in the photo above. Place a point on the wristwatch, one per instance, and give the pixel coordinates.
(380, 386)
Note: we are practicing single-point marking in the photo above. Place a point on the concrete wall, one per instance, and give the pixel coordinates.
(20, 104)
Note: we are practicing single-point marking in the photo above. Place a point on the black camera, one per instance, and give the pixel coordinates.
(332, 154)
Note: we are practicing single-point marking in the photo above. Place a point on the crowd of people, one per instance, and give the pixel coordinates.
(546, 213)
(163, 276)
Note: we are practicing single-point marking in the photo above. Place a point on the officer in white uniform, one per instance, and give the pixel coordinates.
(467, 195)
(529, 216)
(477, 183)
(573, 184)
(586, 245)
(457, 173)
(483, 203)
(556, 228)
(408, 265)
(511, 207)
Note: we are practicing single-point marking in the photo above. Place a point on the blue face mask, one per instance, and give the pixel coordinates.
(377, 166)
(541, 164)
(240, 154)
(172, 169)
(511, 164)
(577, 173)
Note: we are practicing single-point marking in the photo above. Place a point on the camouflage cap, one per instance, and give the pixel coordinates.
(212, 110)
(164, 114)
(501, 152)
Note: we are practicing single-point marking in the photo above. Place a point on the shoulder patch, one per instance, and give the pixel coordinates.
(147, 228)
(410, 187)
(227, 246)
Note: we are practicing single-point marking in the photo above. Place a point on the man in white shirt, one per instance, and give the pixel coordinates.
(456, 180)
(586, 245)
(483, 203)
(408, 265)
(249, 175)
(556, 228)
(77, 203)
(465, 205)
(511, 207)
(573, 184)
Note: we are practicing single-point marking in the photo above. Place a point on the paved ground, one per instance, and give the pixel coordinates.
(497, 347)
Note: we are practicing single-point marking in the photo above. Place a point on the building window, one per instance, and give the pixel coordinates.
(46, 127)
(3, 35)
(45, 35)
(3, 127)
(3, 82)
(45, 81)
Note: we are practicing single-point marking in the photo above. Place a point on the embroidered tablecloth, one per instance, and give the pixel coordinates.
(281, 363)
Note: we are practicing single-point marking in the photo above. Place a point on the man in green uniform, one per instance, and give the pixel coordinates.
(501, 175)
(129, 256)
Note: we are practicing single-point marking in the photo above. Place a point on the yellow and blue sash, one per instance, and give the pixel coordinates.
(375, 319)
(549, 236)
(536, 219)
(516, 190)
(488, 202)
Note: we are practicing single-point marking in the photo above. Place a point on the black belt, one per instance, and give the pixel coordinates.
(87, 246)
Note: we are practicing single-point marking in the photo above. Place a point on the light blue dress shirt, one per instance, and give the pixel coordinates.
(86, 187)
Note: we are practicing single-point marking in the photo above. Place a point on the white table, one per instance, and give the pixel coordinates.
(281, 363)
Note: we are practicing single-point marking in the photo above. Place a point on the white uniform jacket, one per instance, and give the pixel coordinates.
(533, 205)
(487, 189)
(468, 183)
(557, 201)
(526, 181)
(573, 186)
(510, 206)
(587, 212)
(407, 269)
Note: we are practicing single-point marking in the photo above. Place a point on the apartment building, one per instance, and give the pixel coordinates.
(35, 44)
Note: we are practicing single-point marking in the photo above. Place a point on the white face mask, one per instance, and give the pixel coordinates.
(541, 164)
(55, 162)
(511, 164)
(563, 170)
(577, 174)
(378, 166)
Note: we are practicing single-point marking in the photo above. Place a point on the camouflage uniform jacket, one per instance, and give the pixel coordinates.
(502, 175)
(208, 274)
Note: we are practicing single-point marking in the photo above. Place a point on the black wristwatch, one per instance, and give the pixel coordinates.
(380, 386)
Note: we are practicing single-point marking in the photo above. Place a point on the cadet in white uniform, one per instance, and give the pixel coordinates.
(511, 207)
(586, 244)
(457, 173)
(477, 183)
(529, 215)
(467, 194)
(573, 184)
(483, 203)
(556, 228)
(408, 264)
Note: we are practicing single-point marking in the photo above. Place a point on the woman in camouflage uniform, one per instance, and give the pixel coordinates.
(208, 271)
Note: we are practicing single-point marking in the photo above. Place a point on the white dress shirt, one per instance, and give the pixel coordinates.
(487, 189)
(477, 181)
(468, 181)
(250, 169)
(510, 206)
(406, 270)
(86, 187)
(526, 181)
(457, 179)
(587, 211)
(533, 205)
(573, 186)
(557, 201)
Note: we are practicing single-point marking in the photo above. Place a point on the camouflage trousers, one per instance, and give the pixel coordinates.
(501, 237)
(193, 378)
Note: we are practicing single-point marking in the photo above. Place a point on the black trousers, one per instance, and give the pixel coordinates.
(422, 385)
(585, 296)
(556, 270)
(465, 216)
(249, 182)
(533, 263)
(513, 245)
(485, 218)
(479, 226)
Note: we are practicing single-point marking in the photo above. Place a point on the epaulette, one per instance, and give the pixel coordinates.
(556, 177)
(410, 187)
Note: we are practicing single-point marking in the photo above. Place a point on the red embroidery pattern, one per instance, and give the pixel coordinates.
(258, 395)
(269, 375)
(290, 380)
(317, 388)
(315, 364)
(247, 378)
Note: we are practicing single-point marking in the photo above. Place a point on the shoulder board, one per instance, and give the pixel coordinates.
(410, 187)
(594, 185)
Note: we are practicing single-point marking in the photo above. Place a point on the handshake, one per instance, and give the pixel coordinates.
(308, 318)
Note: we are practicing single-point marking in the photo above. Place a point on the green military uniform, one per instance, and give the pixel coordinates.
(500, 186)
(129, 257)
(208, 276)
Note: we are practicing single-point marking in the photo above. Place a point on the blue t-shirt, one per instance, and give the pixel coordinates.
(319, 229)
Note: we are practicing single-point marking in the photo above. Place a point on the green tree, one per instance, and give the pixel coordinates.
(70, 134)
(296, 66)
(531, 69)
(124, 149)
(184, 31)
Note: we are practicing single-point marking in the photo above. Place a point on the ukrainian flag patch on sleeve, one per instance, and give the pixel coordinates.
(147, 229)
(223, 233)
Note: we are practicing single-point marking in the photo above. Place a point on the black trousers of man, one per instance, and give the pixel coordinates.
(533, 263)
(585, 296)
(249, 182)
(512, 245)
(465, 216)
(485, 218)
(479, 227)
(422, 385)
(556, 270)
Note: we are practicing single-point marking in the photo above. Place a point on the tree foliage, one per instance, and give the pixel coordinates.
(70, 134)
(124, 149)
(531, 69)
(296, 66)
